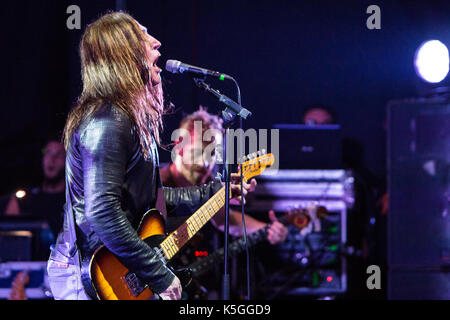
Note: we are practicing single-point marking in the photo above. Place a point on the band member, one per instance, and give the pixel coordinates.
(44, 202)
(181, 173)
(191, 166)
(318, 115)
(112, 174)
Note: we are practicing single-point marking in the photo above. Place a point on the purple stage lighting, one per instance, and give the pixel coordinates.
(432, 61)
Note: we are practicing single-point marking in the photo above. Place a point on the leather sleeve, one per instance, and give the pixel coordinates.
(191, 197)
(105, 149)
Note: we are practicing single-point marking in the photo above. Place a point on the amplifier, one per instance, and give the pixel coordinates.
(313, 262)
(419, 198)
(37, 286)
(24, 239)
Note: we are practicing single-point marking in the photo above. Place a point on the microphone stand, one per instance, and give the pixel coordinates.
(231, 110)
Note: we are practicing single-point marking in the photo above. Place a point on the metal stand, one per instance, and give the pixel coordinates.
(232, 110)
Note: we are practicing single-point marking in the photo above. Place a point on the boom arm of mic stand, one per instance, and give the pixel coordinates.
(232, 106)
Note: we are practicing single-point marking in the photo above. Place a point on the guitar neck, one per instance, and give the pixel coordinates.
(178, 238)
(200, 266)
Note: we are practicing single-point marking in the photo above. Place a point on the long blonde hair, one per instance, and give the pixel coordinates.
(114, 69)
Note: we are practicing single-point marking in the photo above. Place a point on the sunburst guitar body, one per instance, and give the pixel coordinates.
(104, 277)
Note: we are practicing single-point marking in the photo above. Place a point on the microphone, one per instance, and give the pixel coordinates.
(174, 66)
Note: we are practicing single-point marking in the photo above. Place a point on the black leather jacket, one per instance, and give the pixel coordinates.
(112, 185)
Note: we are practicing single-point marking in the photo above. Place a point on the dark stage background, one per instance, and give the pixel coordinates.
(285, 55)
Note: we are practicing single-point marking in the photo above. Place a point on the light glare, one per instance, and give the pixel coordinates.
(432, 61)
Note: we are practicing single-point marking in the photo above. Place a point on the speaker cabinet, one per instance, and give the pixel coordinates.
(418, 186)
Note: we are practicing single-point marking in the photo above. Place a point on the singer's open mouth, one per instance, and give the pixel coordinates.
(157, 69)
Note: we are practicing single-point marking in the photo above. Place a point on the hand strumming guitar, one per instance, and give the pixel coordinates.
(173, 292)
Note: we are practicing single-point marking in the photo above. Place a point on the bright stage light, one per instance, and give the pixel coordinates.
(20, 194)
(432, 61)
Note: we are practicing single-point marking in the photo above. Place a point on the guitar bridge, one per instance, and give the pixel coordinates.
(133, 283)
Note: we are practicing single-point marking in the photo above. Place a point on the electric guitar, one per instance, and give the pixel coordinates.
(296, 217)
(106, 278)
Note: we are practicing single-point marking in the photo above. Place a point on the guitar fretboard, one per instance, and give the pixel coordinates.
(178, 238)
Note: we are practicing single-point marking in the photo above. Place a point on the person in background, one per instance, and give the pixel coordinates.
(317, 115)
(366, 219)
(200, 169)
(44, 202)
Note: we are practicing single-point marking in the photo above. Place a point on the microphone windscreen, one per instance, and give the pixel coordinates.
(173, 66)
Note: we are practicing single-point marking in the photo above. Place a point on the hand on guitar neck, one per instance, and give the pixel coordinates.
(235, 185)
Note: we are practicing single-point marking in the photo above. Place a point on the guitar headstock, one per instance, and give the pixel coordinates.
(18, 286)
(300, 218)
(255, 163)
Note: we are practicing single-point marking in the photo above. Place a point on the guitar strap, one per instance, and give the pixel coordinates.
(70, 216)
(160, 201)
